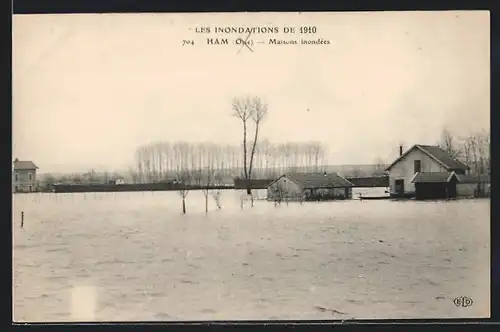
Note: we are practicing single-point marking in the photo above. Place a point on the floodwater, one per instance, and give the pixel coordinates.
(135, 257)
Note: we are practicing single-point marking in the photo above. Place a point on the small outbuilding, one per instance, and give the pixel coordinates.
(435, 185)
(309, 187)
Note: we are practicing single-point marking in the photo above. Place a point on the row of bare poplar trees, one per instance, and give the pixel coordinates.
(161, 161)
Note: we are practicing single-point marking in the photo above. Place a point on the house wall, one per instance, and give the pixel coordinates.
(23, 182)
(288, 188)
(403, 169)
(468, 189)
(338, 192)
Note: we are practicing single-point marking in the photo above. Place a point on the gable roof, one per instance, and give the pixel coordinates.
(433, 177)
(317, 180)
(20, 165)
(436, 153)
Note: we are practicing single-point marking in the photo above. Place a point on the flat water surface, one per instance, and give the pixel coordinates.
(134, 256)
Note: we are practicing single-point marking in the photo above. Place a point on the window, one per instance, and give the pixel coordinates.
(416, 166)
(17, 177)
(30, 176)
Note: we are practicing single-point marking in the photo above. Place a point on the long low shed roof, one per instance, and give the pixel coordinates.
(318, 180)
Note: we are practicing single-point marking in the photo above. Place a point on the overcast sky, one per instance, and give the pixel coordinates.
(89, 89)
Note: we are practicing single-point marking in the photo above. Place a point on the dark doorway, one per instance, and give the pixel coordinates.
(417, 165)
(399, 187)
(452, 187)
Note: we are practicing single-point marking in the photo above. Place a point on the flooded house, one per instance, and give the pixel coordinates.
(425, 172)
(24, 176)
(309, 187)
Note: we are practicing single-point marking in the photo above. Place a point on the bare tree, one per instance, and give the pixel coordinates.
(216, 193)
(379, 167)
(197, 176)
(259, 112)
(449, 144)
(466, 153)
(134, 175)
(209, 174)
(279, 193)
(487, 151)
(207, 183)
(183, 171)
(265, 147)
(184, 179)
(242, 109)
(246, 108)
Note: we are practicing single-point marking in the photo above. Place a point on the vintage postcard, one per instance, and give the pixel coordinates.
(251, 166)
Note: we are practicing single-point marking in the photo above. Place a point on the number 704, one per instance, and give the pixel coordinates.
(188, 42)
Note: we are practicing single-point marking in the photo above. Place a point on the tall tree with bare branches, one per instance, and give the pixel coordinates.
(242, 109)
(259, 112)
(249, 108)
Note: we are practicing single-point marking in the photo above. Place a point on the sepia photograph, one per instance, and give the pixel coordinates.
(251, 166)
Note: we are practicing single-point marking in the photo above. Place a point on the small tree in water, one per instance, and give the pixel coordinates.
(279, 192)
(183, 181)
(207, 183)
(217, 177)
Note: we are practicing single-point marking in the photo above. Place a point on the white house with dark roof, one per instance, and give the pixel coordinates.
(23, 176)
(309, 186)
(426, 164)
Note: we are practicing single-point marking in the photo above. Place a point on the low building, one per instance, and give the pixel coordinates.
(474, 185)
(370, 182)
(240, 183)
(24, 176)
(309, 187)
(435, 185)
(421, 159)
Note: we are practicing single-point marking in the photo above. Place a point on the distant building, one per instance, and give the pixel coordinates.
(309, 187)
(24, 176)
(425, 171)
(117, 181)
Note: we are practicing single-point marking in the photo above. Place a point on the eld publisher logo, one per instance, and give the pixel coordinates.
(463, 301)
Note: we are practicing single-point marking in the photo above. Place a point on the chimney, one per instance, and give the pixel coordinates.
(400, 150)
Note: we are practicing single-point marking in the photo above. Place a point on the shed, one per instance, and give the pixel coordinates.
(309, 187)
(435, 185)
